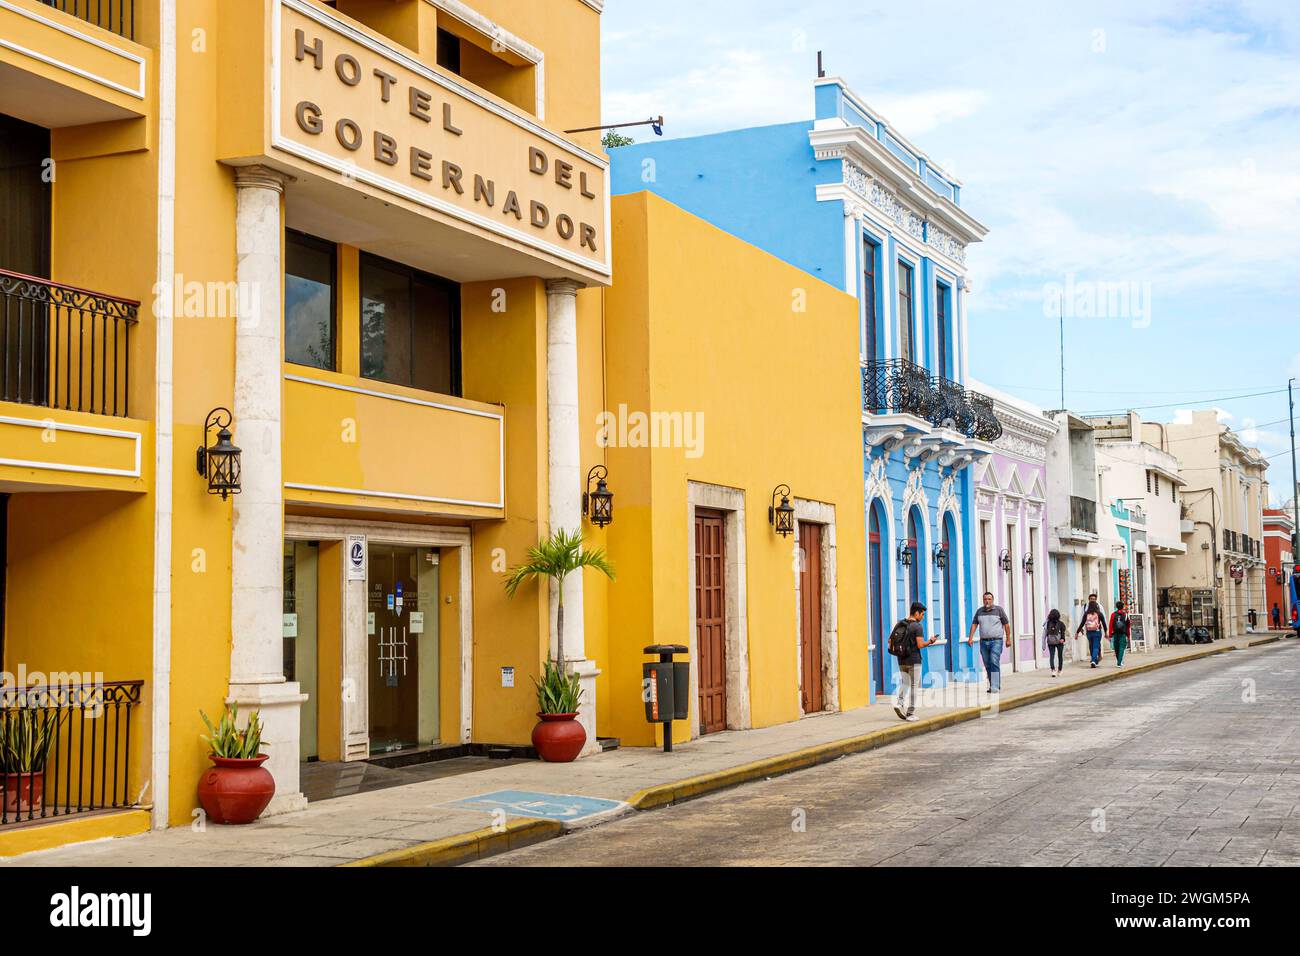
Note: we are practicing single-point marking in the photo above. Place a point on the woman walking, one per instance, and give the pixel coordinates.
(1054, 635)
(1094, 623)
(1119, 629)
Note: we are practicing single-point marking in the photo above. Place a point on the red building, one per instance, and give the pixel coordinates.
(1278, 527)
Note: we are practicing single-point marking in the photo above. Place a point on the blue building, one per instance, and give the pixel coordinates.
(853, 203)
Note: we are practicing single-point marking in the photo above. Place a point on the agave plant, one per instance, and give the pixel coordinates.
(227, 740)
(25, 737)
(557, 692)
(557, 557)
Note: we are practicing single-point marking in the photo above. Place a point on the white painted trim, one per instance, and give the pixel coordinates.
(597, 5)
(161, 649)
(424, 403)
(133, 472)
(138, 92)
(279, 141)
(400, 496)
(731, 501)
(499, 34)
(298, 527)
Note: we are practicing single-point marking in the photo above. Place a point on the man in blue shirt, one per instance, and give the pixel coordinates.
(993, 627)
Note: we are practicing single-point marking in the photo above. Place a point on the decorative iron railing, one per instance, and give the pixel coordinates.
(987, 426)
(1083, 514)
(87, 760)
(115, 15)
(901, 387)
(898, 387)
(64, 347)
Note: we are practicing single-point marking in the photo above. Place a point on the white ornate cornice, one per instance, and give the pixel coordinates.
(897, 211)
(597, 5)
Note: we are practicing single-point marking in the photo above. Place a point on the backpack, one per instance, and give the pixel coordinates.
(1121, 625)
(1056, 629)
(1092, 621)
(899, 643)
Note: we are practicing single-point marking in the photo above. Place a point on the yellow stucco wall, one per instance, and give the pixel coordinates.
(774, 386)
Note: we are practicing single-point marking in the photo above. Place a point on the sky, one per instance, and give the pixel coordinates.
(1144, 155)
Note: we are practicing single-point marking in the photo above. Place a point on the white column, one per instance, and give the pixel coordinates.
(564, 477)
(257, 573)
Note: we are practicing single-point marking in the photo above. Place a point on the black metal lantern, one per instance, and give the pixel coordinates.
(1004, 560)
(781, 517)
(904, 555)
(219, 463)
(940, 557)
(1028, 564)
(598, 505)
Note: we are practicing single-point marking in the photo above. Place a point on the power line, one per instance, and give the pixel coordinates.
(1199, 401)
(1120, 391)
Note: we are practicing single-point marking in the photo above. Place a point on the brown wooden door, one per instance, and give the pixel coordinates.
(711, 619)
(810, 618)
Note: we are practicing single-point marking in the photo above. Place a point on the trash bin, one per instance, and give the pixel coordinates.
(666, 688)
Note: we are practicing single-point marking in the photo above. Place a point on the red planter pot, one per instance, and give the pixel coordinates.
(24, 793)
(559, 738)
(236, 791)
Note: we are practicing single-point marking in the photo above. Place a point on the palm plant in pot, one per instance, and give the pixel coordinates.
(237, 788)
(26, 734)
(558, 737)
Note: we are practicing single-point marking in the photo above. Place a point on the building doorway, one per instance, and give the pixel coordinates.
(711, 618)
(811, 691)
(402, 646)
(877, 609)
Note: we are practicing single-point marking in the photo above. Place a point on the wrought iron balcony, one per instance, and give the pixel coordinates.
(901, 387)
(987, 427)
(64, 347)
(1083, 514)
(115, 15)
(898, 387)
(87, 754)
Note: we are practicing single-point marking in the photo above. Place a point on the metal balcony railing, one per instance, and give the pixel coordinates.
(901, 387)
(1083, 514)
(64, 347)
(115, 15)
(87, 761)
(898, 387)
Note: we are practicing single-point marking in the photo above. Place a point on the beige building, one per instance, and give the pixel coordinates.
(1223, 499)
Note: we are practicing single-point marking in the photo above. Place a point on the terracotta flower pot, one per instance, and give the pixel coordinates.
(236, 791)
(559, 737)
(24, 793)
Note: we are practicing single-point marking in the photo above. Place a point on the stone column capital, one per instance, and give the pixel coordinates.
(563, 287)
(260, 177)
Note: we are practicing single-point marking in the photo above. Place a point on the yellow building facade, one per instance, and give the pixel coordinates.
(357, 236)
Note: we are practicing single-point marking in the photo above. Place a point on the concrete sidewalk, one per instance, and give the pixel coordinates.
(414, 825)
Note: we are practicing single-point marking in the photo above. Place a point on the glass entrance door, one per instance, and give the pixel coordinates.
(402, 627)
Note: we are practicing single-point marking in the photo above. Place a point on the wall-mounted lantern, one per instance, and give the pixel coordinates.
(940, 557)
(219, 463)
(1004, 560)
(598, 505)
(781, 516)
(1028, 564)
(904, 555)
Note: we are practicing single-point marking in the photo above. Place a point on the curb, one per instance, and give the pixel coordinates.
(464, 848)
(467, 847)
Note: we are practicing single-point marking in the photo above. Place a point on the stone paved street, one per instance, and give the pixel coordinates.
(1192, 765)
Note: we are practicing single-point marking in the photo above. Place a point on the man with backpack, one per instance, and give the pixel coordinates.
(1119, 632)
(994, 628)
(1094, 622)
(905, 642)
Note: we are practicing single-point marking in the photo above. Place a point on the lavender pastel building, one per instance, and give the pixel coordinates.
(1010, 525)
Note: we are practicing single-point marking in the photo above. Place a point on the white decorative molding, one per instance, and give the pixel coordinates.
(138, 92)
(914, 493)
(877, 482)
(883, 198)
(947, 496)
(132, 472)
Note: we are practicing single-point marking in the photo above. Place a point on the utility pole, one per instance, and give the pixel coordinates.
(1295, 492)
(1060, 306)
